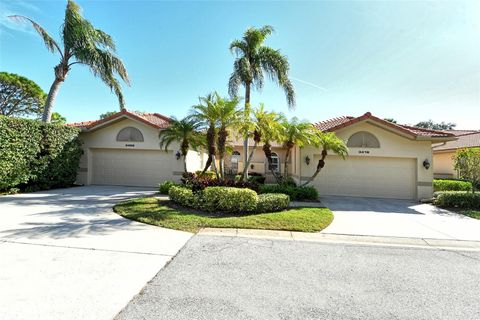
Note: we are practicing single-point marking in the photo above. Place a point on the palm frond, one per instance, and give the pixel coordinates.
(47, 39)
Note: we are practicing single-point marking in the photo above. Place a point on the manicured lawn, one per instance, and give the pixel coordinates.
(164, 214)
(470, 213)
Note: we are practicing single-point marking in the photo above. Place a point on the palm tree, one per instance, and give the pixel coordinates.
(272, 130)
(206, 114)
(295, 133)
(184, 131)
(266, 127)
(253, 61)
(328, 142)
(83, 44)
(228, 119)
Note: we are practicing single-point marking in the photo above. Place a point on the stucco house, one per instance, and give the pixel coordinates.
(123, 149)
(385, 160)
(443, 164)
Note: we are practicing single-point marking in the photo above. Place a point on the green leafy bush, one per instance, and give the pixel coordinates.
(451, 185)
(295, 193)
(36, 155)
(165, 186)
(231, 200)
(458, 199)
(271, 202)
(183, 196)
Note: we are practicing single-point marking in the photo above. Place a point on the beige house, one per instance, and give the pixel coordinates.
(385, 160)
(443, 166)
(123, 149)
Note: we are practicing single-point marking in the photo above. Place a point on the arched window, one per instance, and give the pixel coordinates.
(275, 165)
(130, 134)
(363, 139)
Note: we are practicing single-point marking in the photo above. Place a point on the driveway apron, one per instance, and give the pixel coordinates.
(398, 218)
(66, 255)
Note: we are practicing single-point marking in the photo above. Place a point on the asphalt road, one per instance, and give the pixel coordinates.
(245, 278)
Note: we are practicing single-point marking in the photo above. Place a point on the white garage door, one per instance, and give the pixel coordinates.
(131, 167)
(368, 177)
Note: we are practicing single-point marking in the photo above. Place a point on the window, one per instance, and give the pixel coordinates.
(130, 134)
(234, 161)
(363, 139)
(275, 165)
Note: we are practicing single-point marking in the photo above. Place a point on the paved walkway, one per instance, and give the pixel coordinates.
(65, 255)
(398, 218)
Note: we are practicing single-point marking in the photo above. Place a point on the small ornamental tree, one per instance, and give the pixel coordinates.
(467, 163)
(20, 96)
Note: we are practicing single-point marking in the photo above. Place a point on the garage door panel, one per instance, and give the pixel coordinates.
(131, 167)
(368, 177)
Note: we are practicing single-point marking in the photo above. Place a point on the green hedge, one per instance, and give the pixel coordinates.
(231, 200)
(458, 199)
(165, 186)
(271, 202)
(35, 155)
(228, 200)
(295, 193)
(451, 185)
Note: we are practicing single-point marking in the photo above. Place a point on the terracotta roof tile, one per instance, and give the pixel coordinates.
(153, 119)
(341, 122)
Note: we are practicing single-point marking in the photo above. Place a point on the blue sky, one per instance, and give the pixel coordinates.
(411, 61)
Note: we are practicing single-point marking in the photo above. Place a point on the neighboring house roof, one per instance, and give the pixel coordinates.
(155, 120)
(464, 141)
(415, 132)
(461, 132)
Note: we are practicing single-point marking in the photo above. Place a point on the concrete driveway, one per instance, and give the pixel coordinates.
(64, 254)
(398, 218)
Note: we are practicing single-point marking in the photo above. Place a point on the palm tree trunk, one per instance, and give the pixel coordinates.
(320, 165)
(222, 168)
(245, 141)
(247, 163)
(185, 163)
(285, 169)
(52, 94)
(214, 166)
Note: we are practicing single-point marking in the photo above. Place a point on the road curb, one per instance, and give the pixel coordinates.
(426, 243)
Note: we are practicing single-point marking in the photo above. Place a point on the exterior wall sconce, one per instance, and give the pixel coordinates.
(426, 164)
(307, 160)
(252, 166)
(178, 155)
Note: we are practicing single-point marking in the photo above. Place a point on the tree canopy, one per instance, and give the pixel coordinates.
(429, 124)
(83, 44)
(20, 96)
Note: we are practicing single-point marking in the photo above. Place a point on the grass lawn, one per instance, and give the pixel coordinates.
(165, 214)
(470, 213)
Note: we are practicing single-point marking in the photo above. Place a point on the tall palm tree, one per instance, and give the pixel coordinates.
(328, 142)
(206, 114)
(295, 133)
(83, 44)
(186, 132)
(228, 119)
(253, 61)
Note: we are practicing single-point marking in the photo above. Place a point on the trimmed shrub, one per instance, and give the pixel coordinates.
(207, 174)
(230, 200)
(451, 185)
(458, 199)
(195, 183)
(295, 193)
(165, 186)
(183, 196)
(271, 202)
(36, 155)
